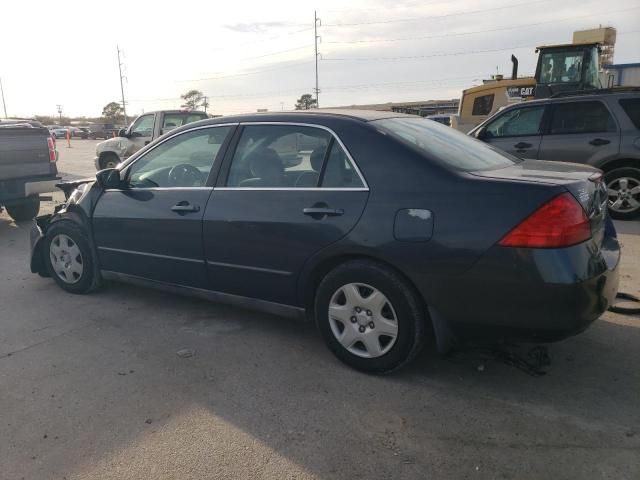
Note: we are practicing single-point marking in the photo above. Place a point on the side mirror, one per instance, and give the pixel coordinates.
(481, 133)
(122, 132)
(109, 178)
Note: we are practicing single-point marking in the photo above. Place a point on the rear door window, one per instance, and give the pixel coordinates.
(581, 117)
(631, 107)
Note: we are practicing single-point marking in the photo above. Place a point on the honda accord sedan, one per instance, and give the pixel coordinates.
(389, 231)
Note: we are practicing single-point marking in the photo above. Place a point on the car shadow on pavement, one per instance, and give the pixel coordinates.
(261, 397)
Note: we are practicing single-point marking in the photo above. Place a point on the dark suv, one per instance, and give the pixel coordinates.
(601, 129)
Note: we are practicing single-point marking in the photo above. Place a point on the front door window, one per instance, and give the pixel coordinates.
(143, 126)
(182, 161)
(516, 123)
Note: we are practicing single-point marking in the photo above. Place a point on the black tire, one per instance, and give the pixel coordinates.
(406, 303)
(90, 278)
(109, 160)
(610, 179)
(26, 210)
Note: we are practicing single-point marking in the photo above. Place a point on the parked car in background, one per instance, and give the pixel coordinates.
(377, 233)
(143, 130)
(441, 118)
(82, 132)
(59, 132)
(601, 129)
(105, 131)
(27, 166)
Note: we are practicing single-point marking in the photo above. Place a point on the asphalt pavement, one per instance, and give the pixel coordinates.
(133, 383)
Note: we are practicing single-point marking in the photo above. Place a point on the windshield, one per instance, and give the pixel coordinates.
(445, 144)
(561, 67)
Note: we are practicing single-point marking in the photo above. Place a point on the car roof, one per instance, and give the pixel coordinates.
(314, 114)
(576, 96)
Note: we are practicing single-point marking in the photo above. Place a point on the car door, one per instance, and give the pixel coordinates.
(273, 209)
(581, 132)
(141, 132)
(152, 226)
(517, 131)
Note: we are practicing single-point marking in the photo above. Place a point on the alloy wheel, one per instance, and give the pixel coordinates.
(66, 258)
(624, 194)
(363, 320)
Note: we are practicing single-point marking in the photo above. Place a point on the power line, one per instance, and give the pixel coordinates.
(261, 40)
(456, 14)
(284, 67)
(417, 57)
(443, 54)
(500, 29)
(276, 53)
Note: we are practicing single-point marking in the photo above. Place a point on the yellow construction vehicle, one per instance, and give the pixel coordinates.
(560, 68)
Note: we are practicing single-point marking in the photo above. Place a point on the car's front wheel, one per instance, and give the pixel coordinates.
(370, 317)
(69, 258)
(623, 189)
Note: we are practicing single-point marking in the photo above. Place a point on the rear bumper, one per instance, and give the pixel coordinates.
(531, 294)
(20, 188)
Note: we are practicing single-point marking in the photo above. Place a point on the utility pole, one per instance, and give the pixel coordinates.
(316, 22)
(59, 107)
(205, 103)
(4, 105)
(124, 105)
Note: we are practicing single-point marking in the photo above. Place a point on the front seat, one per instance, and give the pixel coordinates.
(310, 179)
(266, 169)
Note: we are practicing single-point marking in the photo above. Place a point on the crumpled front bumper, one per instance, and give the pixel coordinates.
(36, 242)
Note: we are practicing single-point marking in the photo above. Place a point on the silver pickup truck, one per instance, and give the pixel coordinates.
(28, 159)
(143, 130)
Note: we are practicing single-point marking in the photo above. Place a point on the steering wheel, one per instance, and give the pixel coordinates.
(185, 175)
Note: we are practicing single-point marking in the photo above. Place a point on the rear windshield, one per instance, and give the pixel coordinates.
(631, 106)
(445, 144)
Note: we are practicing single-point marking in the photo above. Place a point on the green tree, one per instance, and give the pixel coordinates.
(112, 111)
(192, 99)
(306, 102)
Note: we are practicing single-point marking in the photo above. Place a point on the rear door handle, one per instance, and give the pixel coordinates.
(522, 145)
(185, 207)
(599, 141)
(321, 211)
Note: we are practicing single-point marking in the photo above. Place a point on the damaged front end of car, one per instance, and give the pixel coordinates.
(80, 197)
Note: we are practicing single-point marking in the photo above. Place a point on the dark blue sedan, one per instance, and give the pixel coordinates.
(388, 230)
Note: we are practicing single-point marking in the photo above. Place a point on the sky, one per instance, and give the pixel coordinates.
(248, 55)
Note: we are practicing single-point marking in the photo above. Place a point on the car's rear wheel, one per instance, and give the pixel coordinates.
(25, 210)
(69, 258)
(623, 189)
(370, 317)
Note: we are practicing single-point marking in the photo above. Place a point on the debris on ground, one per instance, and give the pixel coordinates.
(186, 353)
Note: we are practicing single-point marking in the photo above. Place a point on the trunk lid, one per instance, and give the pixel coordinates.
(585, 183)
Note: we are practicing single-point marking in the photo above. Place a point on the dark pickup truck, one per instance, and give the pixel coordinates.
(27, 167)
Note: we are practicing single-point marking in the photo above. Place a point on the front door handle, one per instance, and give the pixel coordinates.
(185, 207)
(323, 211)
(522, 145)
(596, 142)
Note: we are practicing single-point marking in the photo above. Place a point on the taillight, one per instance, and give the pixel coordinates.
(52, 150)
(561, 222)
